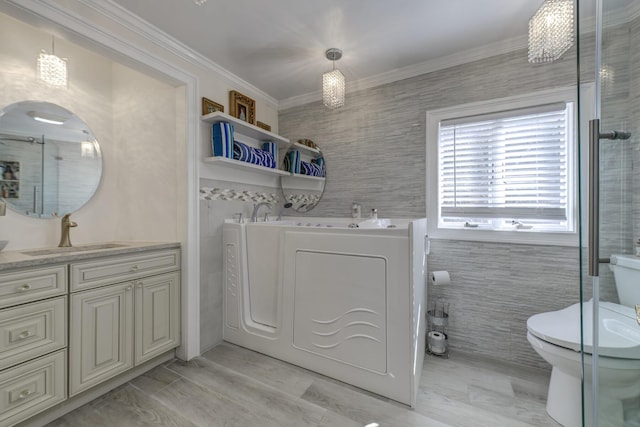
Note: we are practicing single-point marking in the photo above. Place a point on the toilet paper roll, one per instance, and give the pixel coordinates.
(437, 342)
(439, 278)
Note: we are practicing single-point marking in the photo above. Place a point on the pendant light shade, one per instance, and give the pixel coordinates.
(52, 69)
(551, 31)
(333, 82)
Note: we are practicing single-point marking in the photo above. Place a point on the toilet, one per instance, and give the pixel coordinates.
(555, 336)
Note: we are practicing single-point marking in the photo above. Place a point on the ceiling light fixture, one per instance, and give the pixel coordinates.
(551, 31)
(51, 68)
(199, 2)
(333, 82)
(51, 119)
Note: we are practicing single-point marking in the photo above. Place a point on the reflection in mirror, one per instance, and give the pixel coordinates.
(303, 188)
(50, 162)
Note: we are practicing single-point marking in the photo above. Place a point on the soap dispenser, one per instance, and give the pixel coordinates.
(356, 210)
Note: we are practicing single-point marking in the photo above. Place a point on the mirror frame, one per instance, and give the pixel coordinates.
(63, 154)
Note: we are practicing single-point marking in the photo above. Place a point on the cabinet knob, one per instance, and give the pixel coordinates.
(128, 288)
(24, 335)
(24, 287)
(139, 284)
(134, 268)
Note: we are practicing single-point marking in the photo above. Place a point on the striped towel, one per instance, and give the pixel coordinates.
(311, 169)
(256, 156)
(222, 139)
(292, 161)
(271, 147)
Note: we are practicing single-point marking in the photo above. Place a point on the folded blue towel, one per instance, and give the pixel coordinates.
(311, 169)
(256, 156)
(319, 161)
(292, 161)
(271, 147)
(222, 139)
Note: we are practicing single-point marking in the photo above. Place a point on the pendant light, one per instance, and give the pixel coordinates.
(551, 31)
(52, 69)
(333, 84)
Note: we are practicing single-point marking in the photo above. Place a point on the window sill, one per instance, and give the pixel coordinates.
(522, 237)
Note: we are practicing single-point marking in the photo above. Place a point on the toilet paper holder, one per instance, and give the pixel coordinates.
(437, 323)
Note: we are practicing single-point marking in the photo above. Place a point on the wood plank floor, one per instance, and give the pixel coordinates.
(234, 387)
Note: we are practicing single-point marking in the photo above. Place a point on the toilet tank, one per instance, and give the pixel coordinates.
(626, 269)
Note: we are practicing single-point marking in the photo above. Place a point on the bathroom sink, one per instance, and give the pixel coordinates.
(375, 223)
(54, 251)
(3, 243)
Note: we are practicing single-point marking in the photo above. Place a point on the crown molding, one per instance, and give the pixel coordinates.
(437, 64)
(615, 17)
(136, 25)
(139, 26)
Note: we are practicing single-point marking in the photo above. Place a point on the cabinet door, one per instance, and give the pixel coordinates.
(157, 315)
(101, 335)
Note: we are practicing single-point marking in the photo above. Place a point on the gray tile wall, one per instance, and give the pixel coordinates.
(375, 153)
(634, 125)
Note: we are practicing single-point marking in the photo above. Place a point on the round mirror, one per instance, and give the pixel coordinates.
(50, 162)
(304, 186)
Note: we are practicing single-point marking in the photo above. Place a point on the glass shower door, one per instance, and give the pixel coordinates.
(612, 379)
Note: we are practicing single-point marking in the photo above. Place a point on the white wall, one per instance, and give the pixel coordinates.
(88, 96)
(133, 200)
(146, 157)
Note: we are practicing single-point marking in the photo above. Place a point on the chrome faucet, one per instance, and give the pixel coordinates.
(256, 208)
(65, 241)
(285, 207)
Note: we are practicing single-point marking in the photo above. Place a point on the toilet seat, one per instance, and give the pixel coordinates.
(619, 330)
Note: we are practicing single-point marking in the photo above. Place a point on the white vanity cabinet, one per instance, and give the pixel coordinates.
(33, 341)
(130, 314)
(82, 319)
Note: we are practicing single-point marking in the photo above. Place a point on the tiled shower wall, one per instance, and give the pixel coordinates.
(375, 153)
(634, 104)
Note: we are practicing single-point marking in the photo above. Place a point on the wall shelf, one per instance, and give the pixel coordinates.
(313, 152)
(309, 177)
(232, 170)
(247, 129)
(237, 164)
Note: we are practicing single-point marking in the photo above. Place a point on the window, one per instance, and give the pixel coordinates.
(504, 169)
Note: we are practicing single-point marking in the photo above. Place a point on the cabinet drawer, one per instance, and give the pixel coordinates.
(85, 275)
(32, 330)
(29, 285)
(32, 387)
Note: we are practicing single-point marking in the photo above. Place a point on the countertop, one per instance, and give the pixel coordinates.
(10, 260)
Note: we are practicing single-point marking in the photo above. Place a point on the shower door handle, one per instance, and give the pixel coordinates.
(594, 192)
(594, 197)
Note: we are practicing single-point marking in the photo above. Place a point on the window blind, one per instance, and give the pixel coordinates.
(509, 164)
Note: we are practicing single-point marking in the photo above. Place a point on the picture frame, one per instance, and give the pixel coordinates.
(263, 126)
(242, 107)
(209, 106)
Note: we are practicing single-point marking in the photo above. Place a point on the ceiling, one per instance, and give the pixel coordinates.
(278, 46)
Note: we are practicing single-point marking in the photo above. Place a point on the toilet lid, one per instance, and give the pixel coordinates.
(619, 330)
